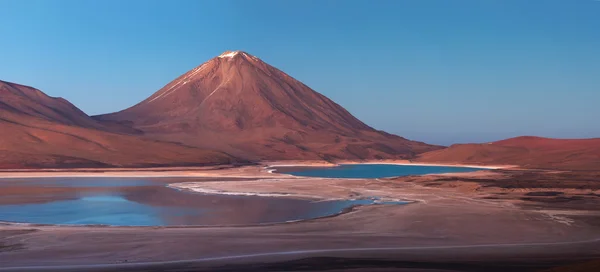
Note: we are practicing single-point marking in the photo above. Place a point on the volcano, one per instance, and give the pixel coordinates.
(39, 131)
(238, 104)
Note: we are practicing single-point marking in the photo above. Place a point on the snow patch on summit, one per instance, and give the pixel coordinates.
(187, 77)
(229, 54)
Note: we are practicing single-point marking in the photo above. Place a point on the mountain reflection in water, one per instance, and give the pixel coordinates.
(140, 202)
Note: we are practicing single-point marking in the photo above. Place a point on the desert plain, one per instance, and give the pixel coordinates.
(493, 219)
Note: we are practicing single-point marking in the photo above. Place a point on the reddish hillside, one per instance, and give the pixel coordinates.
(527, 151)
(40, 131)
(29, 102)
(241, 105)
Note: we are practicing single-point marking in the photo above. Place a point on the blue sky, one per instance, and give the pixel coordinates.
(440, 71)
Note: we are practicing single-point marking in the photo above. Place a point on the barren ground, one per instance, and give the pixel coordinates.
(492, 219)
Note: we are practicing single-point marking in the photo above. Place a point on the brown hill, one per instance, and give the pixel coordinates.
(41, 131)
(526, 151)
(239, 104)
(29, 102)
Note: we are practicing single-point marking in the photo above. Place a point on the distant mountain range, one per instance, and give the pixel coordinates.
(525, 151)
(235, 108)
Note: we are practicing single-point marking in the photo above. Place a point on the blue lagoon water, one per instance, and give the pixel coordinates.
(92, 210)
(372, 170)
(146, 202)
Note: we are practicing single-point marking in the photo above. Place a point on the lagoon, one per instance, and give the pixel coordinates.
(148, 202)
(372, 170)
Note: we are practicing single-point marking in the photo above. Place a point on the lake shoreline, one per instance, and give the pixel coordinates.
(404, 163)
(160, 195)
(177, 172)
(465, 209)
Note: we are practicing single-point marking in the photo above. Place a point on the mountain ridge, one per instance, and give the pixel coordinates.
(525, 151)
(39, 131)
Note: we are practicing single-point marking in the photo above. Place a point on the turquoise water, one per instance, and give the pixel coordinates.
(372, 170)
(118, 211)
(144, 202)
(90, 210)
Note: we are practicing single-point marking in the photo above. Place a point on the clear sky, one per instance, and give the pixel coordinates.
(440, 71)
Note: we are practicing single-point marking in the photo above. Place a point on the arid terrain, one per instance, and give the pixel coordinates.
(490, 220)
(218, 127)
(526, 151)
(299, 136)
(234, 109)
(38, 131)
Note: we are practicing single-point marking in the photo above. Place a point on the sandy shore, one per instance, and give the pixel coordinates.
(173, 172)
(457, 221)
(261, 171)
(391, 162)
(406, 162)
